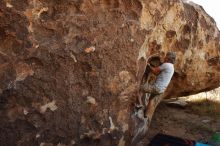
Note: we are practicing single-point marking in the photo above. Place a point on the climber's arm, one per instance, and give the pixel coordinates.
(155, 70)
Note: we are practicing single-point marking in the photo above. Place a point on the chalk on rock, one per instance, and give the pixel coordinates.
(91, 100)
(8, 5)
(38, 135)
(73, 57)
(206, 121)
(51, 105)
(112, 125)
(73, 142)
(25, 111)
(90, 49)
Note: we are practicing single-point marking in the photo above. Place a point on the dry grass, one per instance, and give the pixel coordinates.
(205, 107)
(205, 103)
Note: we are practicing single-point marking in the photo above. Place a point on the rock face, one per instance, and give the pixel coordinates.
(68, 68)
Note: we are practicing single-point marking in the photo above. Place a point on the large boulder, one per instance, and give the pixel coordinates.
(68, 68)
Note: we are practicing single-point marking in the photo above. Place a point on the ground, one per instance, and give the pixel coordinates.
(183, 122)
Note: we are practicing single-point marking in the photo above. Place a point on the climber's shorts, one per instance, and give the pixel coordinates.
(151, 88)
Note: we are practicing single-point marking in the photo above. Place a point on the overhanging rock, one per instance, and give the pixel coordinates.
(77, 59)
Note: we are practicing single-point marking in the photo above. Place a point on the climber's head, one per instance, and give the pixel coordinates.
(170, 57)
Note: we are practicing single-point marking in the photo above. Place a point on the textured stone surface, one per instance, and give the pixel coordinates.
(59, 53)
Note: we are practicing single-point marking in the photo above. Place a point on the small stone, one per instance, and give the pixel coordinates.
(73, 142)
(91, 100)
(206, 121)
(73, 57)
(90, 49)
(38, 135)
(37, 46)
(51, 105)
(25, 111)
(8, 5)
(132, 40)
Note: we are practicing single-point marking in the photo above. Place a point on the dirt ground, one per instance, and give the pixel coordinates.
(182, 122)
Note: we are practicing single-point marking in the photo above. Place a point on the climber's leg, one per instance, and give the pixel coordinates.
(151, 106)
(146, 89)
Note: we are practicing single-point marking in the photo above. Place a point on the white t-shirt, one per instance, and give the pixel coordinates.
(164, 77)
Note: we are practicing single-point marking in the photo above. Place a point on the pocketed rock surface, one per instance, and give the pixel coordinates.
(68, 68)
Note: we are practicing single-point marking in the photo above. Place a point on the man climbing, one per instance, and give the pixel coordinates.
(164, 74)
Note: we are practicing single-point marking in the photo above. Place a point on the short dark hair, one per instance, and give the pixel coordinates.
(171, 56)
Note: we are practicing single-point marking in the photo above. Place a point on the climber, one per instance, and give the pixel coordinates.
(164, 74)
(144, 115)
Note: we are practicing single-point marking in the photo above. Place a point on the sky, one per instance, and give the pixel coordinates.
(212, 7)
